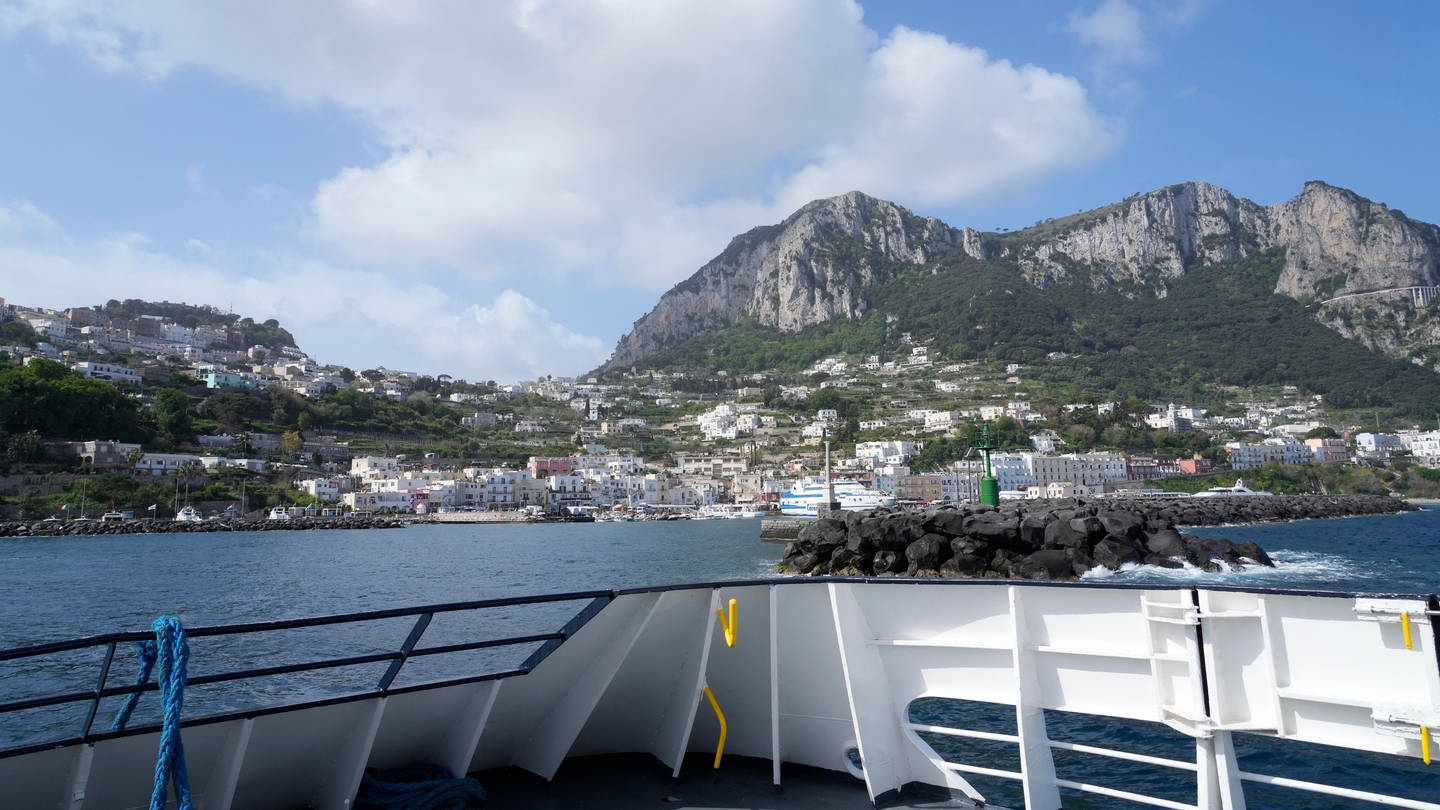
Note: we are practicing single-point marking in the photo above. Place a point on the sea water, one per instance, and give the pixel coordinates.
(59, 588)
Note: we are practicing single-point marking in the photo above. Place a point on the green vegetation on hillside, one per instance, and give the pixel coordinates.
(749, 348)
(1217, 325)
(268, 333)
(54, 402)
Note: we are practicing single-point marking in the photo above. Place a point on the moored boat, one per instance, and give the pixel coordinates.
(188, 514)
(1237, 491)
(806, 496)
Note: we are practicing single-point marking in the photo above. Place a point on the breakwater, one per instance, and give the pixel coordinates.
(73, 528)
(1059, 539)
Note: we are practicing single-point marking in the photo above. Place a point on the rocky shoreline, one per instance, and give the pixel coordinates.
(75, 528)
(1052, 539)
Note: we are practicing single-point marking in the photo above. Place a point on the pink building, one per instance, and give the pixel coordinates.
(551, 465)
(1328, 449)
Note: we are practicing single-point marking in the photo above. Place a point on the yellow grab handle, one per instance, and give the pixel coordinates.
(730, 626)
(719, 715)
(1424, 743)
(1405, 627)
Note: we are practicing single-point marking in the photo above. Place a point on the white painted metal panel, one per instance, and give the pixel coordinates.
(651, 688)
(41, 779)
(815, 725)
(555, 728)
(294, 759)
(739, 676)
(525, 698)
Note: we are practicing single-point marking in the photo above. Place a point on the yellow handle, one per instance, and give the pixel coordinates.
(1405, 627)
(720, 746)
(1424, 743)
(730, 626)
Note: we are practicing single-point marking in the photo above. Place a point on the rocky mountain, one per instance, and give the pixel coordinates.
(829, 261)
(816, 266)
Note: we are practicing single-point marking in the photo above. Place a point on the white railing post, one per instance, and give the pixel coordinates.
(1037, 766)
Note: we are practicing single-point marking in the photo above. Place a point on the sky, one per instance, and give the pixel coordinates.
(497, 190)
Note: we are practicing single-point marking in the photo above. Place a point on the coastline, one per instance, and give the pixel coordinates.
(94, 528)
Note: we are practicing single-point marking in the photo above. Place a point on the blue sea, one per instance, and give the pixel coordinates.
(59, 588)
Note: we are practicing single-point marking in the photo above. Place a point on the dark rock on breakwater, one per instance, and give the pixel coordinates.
(1051, 539)
(94, 527)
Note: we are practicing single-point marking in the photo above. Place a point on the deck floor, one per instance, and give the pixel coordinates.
(640, 781)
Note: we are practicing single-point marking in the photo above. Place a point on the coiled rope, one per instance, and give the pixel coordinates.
(173, 655)
(418, 787)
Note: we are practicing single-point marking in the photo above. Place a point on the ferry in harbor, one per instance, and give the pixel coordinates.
(805, 497)
(1237, 491)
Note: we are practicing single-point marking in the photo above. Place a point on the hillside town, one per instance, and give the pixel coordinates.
(662, 440)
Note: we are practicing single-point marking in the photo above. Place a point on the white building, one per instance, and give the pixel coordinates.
(712, 466)
(325, 489)
(162, 463)
(1012, 471)
(1281, 450)
(1378, 445)
(882, 453)
(109, 372)
(382, 501)
(1425, 447)
(372, 466)
(940, 420)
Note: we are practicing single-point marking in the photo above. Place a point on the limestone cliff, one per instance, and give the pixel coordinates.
(824, 262)
(816, 266)
(1335, 241)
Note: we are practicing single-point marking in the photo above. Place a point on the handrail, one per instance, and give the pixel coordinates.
(50, 648)
(397, 659)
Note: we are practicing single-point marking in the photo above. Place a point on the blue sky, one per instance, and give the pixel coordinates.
(498, 190)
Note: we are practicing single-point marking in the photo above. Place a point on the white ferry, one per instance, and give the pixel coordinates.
(805, 497)
(816, 685)
(1237, 491)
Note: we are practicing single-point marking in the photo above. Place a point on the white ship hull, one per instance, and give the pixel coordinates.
(804, 500)
(822, 672)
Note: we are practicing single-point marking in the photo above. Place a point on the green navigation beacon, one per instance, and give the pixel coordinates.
(989, 487)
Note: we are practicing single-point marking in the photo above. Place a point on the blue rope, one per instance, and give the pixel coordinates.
(147, 652)
(418, 787)
(170, 763)
(173, 654)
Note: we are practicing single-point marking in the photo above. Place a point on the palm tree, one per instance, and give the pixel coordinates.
(132, 458)
(187, 471)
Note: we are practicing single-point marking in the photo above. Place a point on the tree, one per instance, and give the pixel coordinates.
(291, 443)
(132, 458)
(172, 416)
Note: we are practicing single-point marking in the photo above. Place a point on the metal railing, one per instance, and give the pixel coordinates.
(1139, 798)
(397, 658)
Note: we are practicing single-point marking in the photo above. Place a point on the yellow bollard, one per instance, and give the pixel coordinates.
(720, 746)
(729, 626)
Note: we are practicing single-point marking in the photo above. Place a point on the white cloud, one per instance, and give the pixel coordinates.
(620, 142)
(22, 217)
(1116, 32)
(195, 180)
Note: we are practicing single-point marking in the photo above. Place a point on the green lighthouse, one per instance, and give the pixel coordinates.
(989, 487)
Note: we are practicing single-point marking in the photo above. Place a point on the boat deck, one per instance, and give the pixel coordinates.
(640, 780)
